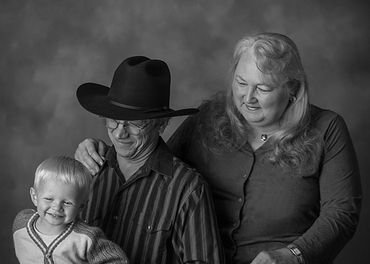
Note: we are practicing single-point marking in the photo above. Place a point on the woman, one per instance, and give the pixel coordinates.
(283, 172)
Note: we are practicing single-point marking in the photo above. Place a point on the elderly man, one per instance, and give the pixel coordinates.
(154, 206)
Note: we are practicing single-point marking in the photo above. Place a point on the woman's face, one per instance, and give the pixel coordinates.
(260, 101)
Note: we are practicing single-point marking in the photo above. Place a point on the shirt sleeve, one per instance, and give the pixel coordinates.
(340, 192)
(103, 250)
(196, 237)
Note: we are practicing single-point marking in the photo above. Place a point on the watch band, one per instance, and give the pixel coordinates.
(296, 252)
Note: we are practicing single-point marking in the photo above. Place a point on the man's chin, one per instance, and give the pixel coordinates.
(125, 154)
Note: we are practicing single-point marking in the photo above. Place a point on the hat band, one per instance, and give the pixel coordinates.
(139, 108)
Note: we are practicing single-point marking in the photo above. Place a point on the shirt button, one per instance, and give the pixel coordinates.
(148, 228)
(240, 199)
(115, 218)
(235, 224)
(245, 176)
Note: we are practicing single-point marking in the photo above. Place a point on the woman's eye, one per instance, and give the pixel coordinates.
(264, 89)
(68, 203)
(242, 83)
(48, 199)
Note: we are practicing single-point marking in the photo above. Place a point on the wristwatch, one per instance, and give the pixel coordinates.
(296, 252)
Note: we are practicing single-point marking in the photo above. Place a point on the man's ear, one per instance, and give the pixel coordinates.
(33, 195)
(81, 207)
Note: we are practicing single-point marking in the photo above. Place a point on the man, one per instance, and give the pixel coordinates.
(154, 206)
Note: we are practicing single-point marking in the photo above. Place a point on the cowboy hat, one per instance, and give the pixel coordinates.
(140, 89)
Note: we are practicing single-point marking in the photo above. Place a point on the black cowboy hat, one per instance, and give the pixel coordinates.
(140, 89)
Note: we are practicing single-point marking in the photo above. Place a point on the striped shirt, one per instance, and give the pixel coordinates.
(163, 214)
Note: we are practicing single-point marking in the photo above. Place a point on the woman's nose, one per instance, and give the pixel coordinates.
(249, 95)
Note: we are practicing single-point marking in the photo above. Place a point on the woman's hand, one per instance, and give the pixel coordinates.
(90, 153)
(279, 256)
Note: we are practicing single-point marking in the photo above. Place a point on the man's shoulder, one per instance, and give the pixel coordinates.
(21, 219)
(171, 165)
(179, 164)
(182, 171)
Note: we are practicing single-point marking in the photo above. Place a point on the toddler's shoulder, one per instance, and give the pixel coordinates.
(21, 219)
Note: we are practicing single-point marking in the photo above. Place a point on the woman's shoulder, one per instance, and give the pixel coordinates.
(213, 105)
(328, 122)
(322, 118)
(211, 111)
(318, 113)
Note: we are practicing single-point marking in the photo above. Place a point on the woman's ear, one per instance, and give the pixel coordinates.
(33, 195)
(293, 86)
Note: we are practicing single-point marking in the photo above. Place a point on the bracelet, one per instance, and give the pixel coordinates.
(296, 252)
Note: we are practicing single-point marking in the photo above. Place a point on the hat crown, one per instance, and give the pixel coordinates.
(141, 83)
(140, 89)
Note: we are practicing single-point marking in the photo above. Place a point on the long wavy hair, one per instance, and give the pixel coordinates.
(296, 144)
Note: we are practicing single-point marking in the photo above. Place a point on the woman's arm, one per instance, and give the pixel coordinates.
(340, 193)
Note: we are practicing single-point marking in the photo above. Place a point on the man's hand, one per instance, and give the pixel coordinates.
(279, 256)
(91, 153)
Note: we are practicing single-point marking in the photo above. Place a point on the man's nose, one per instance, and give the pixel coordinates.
(121, 130)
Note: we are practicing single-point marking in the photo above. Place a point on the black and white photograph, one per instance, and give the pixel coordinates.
(193, 132)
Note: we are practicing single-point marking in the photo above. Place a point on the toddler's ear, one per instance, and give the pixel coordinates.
(33, 195)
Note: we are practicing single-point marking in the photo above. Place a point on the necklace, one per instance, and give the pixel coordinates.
(264, 137)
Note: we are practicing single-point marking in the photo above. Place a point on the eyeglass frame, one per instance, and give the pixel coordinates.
(128, 125)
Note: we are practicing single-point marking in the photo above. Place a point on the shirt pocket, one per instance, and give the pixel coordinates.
(155, 223)
(157, 232)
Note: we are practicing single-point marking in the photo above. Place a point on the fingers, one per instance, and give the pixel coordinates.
(102, 148)
(87, 155)
(92, 147)
(263, 258)
(278, 256)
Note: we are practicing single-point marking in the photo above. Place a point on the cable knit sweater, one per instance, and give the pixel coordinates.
(79, 243)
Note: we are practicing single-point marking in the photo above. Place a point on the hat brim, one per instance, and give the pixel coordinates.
(93, 97)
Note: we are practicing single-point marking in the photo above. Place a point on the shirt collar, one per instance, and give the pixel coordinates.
(159, 161)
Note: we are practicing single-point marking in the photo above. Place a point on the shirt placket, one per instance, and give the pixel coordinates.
(241, 195)
(120, 200)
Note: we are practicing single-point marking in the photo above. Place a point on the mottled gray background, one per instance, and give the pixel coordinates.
(49, 47)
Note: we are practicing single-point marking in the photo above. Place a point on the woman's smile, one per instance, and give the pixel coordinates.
(251, 107)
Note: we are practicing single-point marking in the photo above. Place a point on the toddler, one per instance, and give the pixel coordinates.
(53, 233)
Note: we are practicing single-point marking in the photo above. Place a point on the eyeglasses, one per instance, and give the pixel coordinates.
(133, 127)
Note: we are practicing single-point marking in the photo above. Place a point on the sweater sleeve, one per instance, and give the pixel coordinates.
(340, 192)
(103, 250)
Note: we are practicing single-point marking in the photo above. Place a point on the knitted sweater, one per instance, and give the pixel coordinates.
(79, 243)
